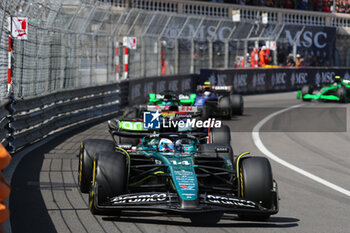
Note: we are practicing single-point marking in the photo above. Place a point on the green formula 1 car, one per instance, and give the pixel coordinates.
(338, 91)
(177, 173)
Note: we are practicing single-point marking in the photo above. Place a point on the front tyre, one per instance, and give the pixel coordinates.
(306, 89)
(256, 184)
(109, 180)
(342, 95)
(88, 149)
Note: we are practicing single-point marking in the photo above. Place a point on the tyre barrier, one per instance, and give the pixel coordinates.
(4, 122)
(33, 119)
(5, 159)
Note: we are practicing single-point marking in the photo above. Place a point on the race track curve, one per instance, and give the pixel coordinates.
(45, 197)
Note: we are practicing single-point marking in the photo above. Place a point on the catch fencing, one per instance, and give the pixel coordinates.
(76, 44)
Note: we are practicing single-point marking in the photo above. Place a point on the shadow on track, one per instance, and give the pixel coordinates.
(273, 222)
(27, 206)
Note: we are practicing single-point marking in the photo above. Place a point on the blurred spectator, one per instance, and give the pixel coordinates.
(263, 57)
(299, 61)
(254, 58)
(290, 60)
(270, 3)
(301, 5)
(289, 4)
(326, 6)
(342, 6)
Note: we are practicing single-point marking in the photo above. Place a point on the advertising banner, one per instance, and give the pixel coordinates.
(20, 28)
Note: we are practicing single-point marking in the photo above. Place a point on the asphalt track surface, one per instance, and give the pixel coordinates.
(45, 197)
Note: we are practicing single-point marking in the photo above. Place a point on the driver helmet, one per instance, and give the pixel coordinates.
(207, 86)
(337, 78)
(207, 93)
(183, 146)
(166, 145)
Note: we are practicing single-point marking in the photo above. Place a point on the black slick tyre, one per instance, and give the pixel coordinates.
(306, 89)
(237, 104)
(205, 112)
(88, 150)
(342, 95)
(257, 184)
(224, 107)
(220, 135)
(109, 180)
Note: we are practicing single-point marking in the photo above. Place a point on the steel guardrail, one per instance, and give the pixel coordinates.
(35, 118)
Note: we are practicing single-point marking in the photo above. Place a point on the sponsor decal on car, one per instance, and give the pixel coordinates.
(140, 198)
(188, 187)
(231, 201)
(222, 149)
(131, 125)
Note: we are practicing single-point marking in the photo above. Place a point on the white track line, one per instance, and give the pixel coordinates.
(272, 156)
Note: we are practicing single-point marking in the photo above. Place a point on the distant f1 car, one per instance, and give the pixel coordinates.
(177, 173)
(169, 101)
(218, 101)
(209, 101)
(337, 91)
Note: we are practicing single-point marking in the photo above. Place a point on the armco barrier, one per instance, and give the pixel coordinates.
(254, 81)
(3, 122)
(35, 118)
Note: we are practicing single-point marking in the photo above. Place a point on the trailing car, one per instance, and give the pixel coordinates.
(338, 91)
(188, 174)
(209, 101)
(169, 101)
(218, 101)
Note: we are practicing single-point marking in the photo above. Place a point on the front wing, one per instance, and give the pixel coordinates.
(169, 202)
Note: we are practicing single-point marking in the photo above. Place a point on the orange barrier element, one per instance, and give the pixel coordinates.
(4, 212)
(5, 159)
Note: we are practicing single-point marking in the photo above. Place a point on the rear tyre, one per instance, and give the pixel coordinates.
(225, 107)
(306, 89)
(205, 112)
(88, 150)
(220, 135)
(257, 185)
(237, 104)
(109, 180)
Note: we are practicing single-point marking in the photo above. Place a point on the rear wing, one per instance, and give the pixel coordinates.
(185, 109)
(222, 89)
(182, 98)
(127, 128)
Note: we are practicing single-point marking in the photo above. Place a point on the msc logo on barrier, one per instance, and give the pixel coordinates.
(151, 120)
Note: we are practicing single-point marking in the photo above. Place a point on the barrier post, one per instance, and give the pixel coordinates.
(126, 62)
(9, 89)
(116, 55)
(9, 72)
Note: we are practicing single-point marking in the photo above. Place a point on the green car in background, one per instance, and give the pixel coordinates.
(169, 98)
(339, 91)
